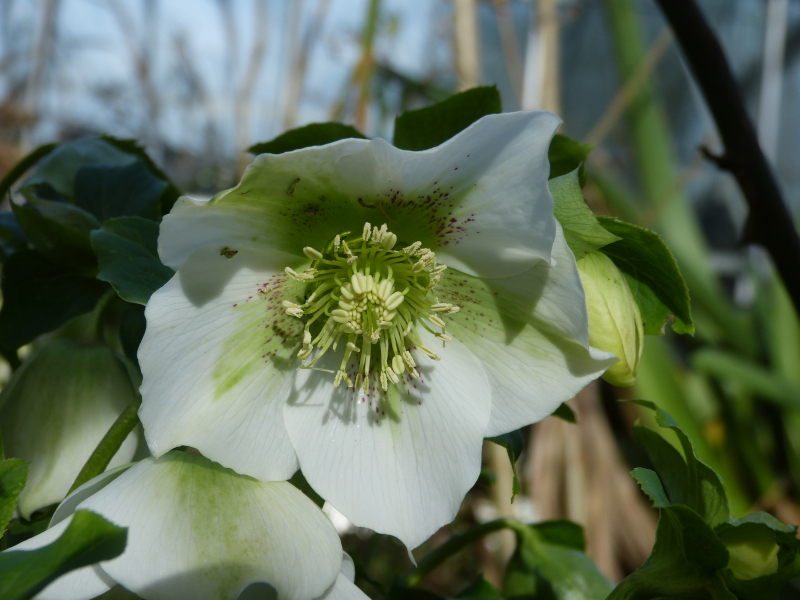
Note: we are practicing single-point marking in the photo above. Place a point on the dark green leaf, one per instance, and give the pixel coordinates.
(684, 563)
(565, 413)
(652, 274)
(12, 238)
(39, 296)
(171, 192)
(480, 589)
(430, 126)
(513, 443)
(298, 480)
(131, 331)
(651, 485)
(109, 191)
(398, 591)
(581, 229)
(58, 230)
(58, 169)
(686, 479)
(562, 533)
(567, 155)
(127, 254)
(87, 540)
(13, 474)
(315, 134)
(548, 564)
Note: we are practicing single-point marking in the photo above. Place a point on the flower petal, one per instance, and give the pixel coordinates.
(198, 530)
(56, 409)
(400, 465)
(94, 485)
(343, 587)
(530, 331)
(284, 202)
(214, 358)
(480, 200)
(80, 584)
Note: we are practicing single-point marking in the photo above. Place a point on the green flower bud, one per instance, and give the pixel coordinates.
(615, 324)
(753, 551)
(55, 410)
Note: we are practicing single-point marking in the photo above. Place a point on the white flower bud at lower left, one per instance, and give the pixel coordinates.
(615, 323)
(55, 410)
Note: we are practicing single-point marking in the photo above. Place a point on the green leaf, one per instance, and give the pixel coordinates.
(686, 479)
(13, 474)
(480, 589)
(653, 276)
(581, 229)
(567, 155)
(58, 230)
(131, 331)
(39, 296)
(171, 193)
(127, 254)
(57, 171)
(315, 134)
(87, 540)
(565, 413)
(109, 191)
(549, 563)
(513, 443)
(430, 126)
(684, 563)
(651, 485)
(12, 238)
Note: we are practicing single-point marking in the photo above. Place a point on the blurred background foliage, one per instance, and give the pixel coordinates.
(198, 81)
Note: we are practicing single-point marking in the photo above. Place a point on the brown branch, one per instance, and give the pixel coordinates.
(769, 222)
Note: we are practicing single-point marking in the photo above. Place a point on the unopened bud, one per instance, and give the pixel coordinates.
(752, 549)
(615, 324)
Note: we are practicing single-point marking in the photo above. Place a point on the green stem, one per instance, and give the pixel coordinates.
(26, 163)
(108, 446)
(456, 543)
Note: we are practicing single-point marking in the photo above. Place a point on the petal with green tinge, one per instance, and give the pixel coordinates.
(398, 462)
(215, 359)
(198, 530)
(530, 333)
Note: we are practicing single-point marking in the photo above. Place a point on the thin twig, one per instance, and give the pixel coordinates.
(769, 222)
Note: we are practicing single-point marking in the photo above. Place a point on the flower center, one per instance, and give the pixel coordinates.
(370, 299)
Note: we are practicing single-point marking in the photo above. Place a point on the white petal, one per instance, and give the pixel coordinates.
(56, 409)
(480, 200)
(284, 202)
(402, 465)
(80, 584)
(197, 530)
(68, 506)
(531, 334)
(343, 589)
(215, 357)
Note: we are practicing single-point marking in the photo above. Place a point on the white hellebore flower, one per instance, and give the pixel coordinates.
(300, 332)
(198, 530)
(55, 410)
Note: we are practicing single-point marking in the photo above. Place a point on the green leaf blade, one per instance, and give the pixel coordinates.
(39, 296)
(315, 134)
(109, 191)
(127, 254)
(581, 229)
(13, 474)
(652, 274)
(433, 125)
(87, 540)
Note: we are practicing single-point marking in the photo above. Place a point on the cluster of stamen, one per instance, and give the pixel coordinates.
(370, 298)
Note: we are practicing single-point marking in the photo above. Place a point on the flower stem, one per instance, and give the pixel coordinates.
(109, 445)
(456, 543)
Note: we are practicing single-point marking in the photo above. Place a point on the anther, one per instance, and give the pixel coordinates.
(366, 233)
(409, 360)
(392, 375)
(312, 253)
(436, 321)
(412, 249)
(337, 242)
(443, 337)
(353, 347)
(398, 366)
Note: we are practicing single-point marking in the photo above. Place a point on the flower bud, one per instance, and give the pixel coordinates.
(753, 551)
(615, 324)
(55, 410)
